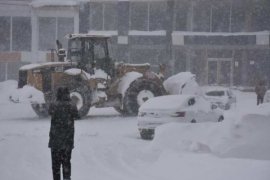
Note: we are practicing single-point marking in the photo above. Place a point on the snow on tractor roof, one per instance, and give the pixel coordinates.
(44, 64)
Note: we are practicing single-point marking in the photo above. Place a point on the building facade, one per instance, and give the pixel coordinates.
(223, 42)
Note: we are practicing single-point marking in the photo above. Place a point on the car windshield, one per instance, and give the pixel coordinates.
(215, 93)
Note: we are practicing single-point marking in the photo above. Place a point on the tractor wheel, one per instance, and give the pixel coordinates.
(40, 109)
(140, 91)
(81, 97)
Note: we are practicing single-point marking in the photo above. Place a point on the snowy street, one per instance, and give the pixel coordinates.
(108, 146)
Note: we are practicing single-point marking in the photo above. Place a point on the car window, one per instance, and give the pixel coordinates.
(215, 93)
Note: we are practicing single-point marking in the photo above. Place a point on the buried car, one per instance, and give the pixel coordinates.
(267, 96)
(222, 96)
(175, 108)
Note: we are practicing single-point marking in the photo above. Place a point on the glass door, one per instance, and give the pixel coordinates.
(220, 71)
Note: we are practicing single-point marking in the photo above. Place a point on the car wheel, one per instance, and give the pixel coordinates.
(221, 118)
(193, 121)
(147, 134)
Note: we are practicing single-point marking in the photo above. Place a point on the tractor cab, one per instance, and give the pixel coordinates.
(89, 52)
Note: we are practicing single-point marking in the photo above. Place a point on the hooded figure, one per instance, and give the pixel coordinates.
(260, 90)
(61, 141)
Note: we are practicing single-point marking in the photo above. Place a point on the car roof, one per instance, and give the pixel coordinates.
(166, 102)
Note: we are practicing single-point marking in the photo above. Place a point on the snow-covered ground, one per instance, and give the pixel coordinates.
(108, 146)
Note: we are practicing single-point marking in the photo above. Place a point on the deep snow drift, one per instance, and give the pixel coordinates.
(107, 145)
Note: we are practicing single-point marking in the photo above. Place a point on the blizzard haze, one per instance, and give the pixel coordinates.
(108, 146)
(200, 42)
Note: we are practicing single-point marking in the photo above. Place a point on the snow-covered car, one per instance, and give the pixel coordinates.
(267, 96)
(175, 108)
(222, 96)
(181, 83)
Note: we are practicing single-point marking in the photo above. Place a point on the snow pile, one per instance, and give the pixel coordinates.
(6, 88)
(261, 110)
(27, 94)
(248, 138)
(107, 146)
(181, 83)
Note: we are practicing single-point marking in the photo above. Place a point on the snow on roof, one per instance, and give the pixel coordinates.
(189, 33)
(165, 102)
(103, 33)
(71, 36)
(147, 33)
(42, 3)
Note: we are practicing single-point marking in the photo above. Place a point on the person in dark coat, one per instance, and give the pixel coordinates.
(260, 90)
(61, 141)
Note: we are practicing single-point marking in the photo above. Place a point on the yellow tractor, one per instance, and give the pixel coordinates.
(93, 77)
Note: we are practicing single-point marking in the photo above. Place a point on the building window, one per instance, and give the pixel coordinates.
(261, 16)
(21, 33)
(52, 28)
(96, 16)
(201, 17)
(139, 16)
(64, 26)
(110, 16)
(157, 15)
(103, 16)
(47, 33)
(147, 16)
(5, 23)
(181, 15)
(221, 14)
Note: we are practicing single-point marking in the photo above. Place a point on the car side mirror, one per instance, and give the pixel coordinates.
(214, 106)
